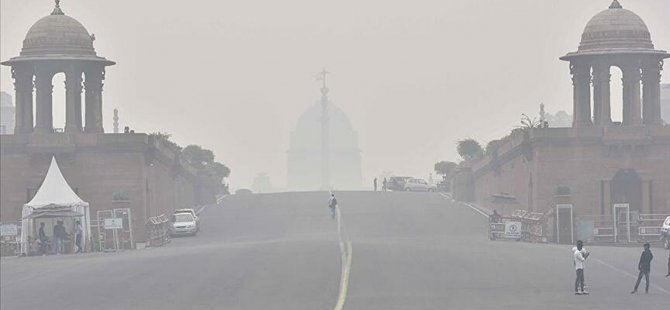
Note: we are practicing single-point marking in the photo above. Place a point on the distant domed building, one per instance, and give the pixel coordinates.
(305, 170)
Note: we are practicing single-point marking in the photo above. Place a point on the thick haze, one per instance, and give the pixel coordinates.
(413, 76)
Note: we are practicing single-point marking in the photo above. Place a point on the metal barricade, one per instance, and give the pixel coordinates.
(649, 228)
(158, 228)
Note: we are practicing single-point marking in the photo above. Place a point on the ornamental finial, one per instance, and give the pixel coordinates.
(57, 10)
(616, 5)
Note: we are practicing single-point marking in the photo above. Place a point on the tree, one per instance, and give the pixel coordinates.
(469, 149)
(445, 168)
(220, 170)
(165, 137)
(198, 156)
(492, 146)
(528, 123)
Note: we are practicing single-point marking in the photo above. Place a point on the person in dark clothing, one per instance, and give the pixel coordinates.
(332, 204)
(59, 236)
(645, 267)
(42, 237)
(495, 217)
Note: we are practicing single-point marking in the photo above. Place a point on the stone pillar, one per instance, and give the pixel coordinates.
(581, 81)
(631, 96)
(44, 106)
(93, 86)
(23, 84)
(73, 101)
(651, 92)
(602, 115)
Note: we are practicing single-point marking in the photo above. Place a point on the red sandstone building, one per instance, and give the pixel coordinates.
(109, 171)
(597, 167)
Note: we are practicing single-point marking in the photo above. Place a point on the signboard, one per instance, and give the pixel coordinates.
(513, 230)
(10, 230)
(113, 223)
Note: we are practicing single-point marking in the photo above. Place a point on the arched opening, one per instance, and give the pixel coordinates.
(58, 102)
(616, 94)
(626, 187)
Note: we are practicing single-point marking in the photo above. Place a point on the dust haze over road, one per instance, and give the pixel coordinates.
(281, 251)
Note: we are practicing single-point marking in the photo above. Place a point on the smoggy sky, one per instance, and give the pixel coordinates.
(413, 76)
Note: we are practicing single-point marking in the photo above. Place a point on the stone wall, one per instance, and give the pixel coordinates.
(98, 167)
(530, 167)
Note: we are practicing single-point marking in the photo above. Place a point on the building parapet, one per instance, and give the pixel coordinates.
(522, 142)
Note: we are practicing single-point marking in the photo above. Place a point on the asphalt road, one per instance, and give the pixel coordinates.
(283, 251)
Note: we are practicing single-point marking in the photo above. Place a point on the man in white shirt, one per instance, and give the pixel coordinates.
(579, 258)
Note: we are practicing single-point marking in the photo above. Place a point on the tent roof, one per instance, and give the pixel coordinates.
(55, 190)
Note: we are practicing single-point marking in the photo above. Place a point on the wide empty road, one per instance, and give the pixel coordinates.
(384, 251)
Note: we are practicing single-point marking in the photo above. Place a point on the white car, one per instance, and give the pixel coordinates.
(184, 224)
(419, 185)
(189, 211)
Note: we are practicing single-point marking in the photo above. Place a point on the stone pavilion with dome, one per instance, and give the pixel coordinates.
(130, 170)
(592, 176)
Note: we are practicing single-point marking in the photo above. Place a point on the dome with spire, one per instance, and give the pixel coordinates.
(305, 153)
(615, 31)
(58, 34)
(616, 28)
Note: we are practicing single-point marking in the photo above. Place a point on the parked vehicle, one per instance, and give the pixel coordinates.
(397, 183)
(419, 185)
(184, 224)
(189, 211)
(665, 232)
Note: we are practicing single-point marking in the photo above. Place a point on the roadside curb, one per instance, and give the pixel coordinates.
(200, 209)
(482, 210)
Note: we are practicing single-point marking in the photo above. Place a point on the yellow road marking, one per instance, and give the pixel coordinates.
(344, 280)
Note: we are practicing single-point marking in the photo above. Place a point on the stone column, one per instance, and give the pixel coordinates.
(73, 101)
(602, 115)
(631, 96)
(23, 84)
(93, 86)
(581, 81)
(44, 107)
(651, 92)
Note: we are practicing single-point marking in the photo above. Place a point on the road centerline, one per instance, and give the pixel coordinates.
(346, 254)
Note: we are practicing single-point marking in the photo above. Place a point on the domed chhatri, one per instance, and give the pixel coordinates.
(57, 34)
(616, 28)
(54, 44)
(616, 37)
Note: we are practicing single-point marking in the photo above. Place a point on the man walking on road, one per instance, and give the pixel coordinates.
(375, 183)
(384, 184)
(645, 267)
(579, 259)
(332, 204)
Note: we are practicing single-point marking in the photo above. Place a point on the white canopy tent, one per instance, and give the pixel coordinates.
(55, 199)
